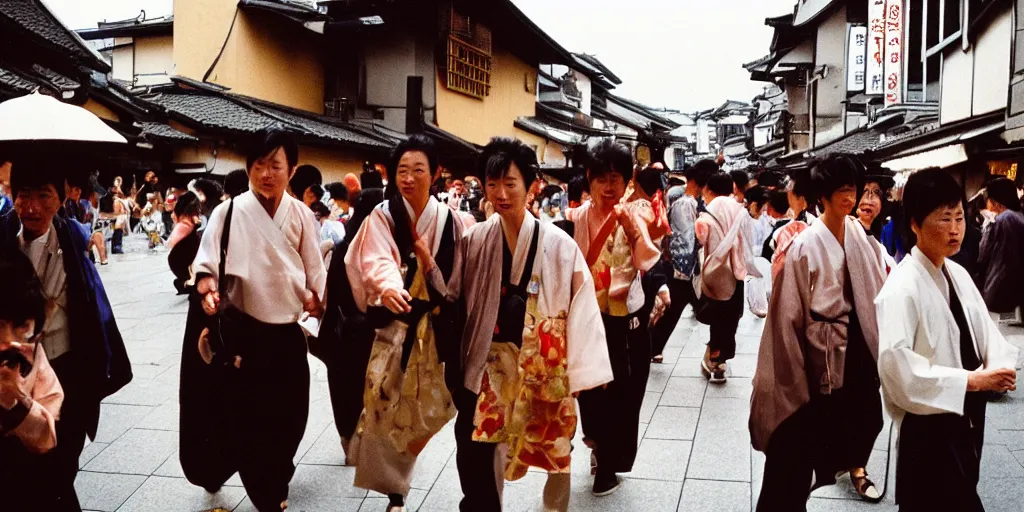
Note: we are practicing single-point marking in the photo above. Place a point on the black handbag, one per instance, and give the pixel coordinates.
(229, 324)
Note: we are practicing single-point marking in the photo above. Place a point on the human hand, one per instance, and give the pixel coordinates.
(12, 386)
(397, 301)
(423, 254)
(314, 306)
(997, 379)
(661, 303)
(204, 346)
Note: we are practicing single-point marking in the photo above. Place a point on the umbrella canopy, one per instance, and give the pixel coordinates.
(39, 118)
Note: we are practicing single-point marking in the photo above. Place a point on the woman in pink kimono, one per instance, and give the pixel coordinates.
(618, 247)
(533, 340)
(405, 268)
(30, 395)
(816, 409)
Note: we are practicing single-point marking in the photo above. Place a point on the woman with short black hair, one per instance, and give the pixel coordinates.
(939, 353)
(1002, 245)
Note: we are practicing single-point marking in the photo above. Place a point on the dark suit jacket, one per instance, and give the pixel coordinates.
(96, 342)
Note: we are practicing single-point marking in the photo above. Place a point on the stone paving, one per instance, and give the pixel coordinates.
(694, 454)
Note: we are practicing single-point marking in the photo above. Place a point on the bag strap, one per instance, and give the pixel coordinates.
(602, 237)
(224, 238)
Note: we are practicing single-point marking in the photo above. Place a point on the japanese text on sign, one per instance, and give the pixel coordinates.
(893, 65)
(856, 59)
(875, 74)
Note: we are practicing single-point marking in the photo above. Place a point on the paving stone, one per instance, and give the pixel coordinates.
(446, 493)
(144, 392)
(736, 387)
(998, 462)
(102, 492)
(326, 451)
(147, 371)
(172, 468)
(161, 494)
(670, 355)
(91, 450)
(377, 502)
(324, 488)
(833, 505)
(660, 459)
(635, 495)
(684, 392)
(164, 417)
(687, 367)
(651, 401)
(999, 494)
(673, 423)
(434, 458)
(721, 448)
(116, 419)
(743, 365)
(726, 496)
(659, 378)
(137, 452)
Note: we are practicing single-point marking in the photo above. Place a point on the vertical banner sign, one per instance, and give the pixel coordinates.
(893, 52)
(856, 59)
(875, 77)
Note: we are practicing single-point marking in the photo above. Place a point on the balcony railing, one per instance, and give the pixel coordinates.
(469, 69)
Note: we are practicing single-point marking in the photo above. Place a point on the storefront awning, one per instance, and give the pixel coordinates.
(946, 156)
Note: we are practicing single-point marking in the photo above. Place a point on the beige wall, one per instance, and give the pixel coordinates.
(333, 164)
(154, 56)
(122, 63)
(266, 56)
(976, 82)
(830, 92)
(388, 60)
(478, 120)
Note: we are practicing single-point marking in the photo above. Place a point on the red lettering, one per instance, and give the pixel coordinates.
(894, 81)
(894, 58)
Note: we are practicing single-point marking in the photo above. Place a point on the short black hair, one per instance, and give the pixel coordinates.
(701, 171)
(1003, 191)
(36, 174)
(772, 179)
(318, 191)
(926, 191)
(371, 179)
(213, 193)
(499, 155)
(23, 298)
(305, 176)
(578, 184)
(236, 183)
(834, 172)
(368, 199)
(267, 141)
(778, 200)
(650, 180)
(741, 179)
(338, 191)
(800, 179)
(188, 204)
(320, 209)
(720, 183)
(415, 142)
(756, 194)
(607, 157)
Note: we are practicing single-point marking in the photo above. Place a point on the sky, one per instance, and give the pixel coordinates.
(680, 54)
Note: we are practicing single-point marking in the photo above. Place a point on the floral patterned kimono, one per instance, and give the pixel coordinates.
(611, 416)
(406, 400)
(522, 366)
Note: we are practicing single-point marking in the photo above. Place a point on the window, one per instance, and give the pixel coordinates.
(943, 24)
(468, 63)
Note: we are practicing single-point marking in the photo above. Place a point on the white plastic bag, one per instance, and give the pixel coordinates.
(759, 289)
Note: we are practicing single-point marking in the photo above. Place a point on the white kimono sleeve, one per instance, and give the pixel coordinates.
(208, 256)
(999, 353)
(909, 380)
(587, 352)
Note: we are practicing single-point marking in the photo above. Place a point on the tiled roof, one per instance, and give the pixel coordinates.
(18, 81)
(539, 127)
(239, 114)
(15, 83)
(856, 143)
(34, 17)
(160, 131)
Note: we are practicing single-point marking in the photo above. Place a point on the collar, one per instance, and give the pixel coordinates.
(935, 272)
(41, 241)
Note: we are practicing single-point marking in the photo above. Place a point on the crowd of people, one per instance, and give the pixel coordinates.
(523, 311)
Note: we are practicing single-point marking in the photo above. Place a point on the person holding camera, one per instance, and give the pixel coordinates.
(30, 394)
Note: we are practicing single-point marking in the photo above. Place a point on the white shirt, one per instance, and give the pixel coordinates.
(48, 261)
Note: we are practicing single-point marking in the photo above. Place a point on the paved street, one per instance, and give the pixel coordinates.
(695, 453)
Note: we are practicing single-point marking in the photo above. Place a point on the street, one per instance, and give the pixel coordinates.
(695, 450)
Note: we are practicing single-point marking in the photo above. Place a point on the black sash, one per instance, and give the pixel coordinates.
(974, 403)
(512, 305)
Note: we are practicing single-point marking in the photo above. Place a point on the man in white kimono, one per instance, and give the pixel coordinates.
(939, 352)
(259, 265)
(532, 311)
(815, 408)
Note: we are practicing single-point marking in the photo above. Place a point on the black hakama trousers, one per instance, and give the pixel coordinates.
(610, 417)
(250, 419)
(939, 460)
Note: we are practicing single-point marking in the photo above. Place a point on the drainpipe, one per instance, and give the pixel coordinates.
(414, 105)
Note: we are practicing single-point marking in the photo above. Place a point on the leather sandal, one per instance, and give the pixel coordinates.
(867, 489)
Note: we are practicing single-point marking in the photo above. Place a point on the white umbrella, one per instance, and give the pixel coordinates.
(38, 118)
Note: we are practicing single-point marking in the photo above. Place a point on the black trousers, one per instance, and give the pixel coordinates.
(723, 328)
(610, 417)
(682, 294)
(939, 461)
(474, 460)
(346, 378)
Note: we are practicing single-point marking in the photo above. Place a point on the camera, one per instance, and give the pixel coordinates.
(12, 357)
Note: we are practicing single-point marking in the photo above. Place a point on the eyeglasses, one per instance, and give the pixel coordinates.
(873, 192)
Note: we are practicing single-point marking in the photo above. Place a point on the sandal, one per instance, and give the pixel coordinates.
(865, 487)
(658, 359)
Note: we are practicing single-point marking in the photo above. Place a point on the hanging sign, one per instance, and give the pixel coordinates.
(875, 75)
(856, 59)
(893, 52)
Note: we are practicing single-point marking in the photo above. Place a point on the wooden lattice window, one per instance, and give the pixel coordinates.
(468, 69)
